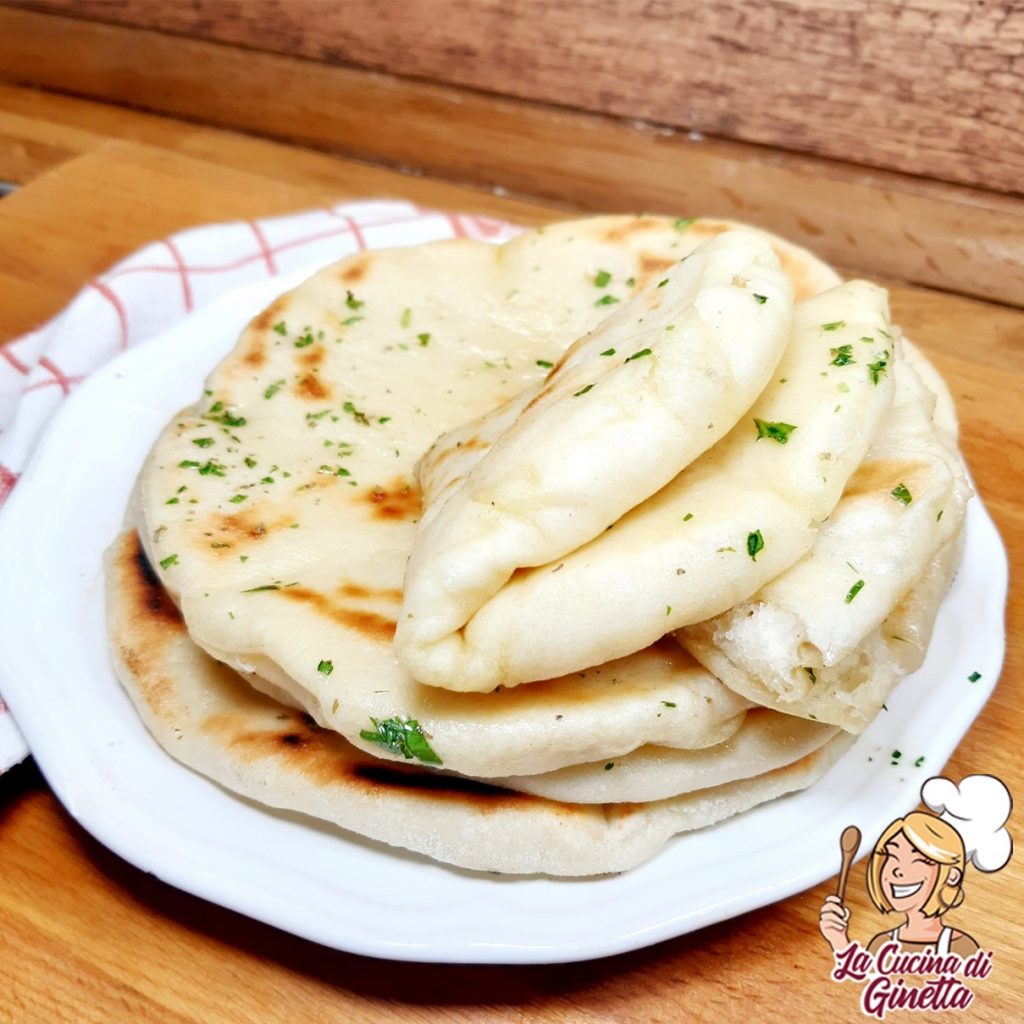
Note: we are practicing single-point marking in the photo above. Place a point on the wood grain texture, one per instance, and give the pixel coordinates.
(87, 939)
(932, 88)
(941, 236)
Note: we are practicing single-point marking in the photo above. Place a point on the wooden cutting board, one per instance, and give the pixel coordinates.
(86, 938)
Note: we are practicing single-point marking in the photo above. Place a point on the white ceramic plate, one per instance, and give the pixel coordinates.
(327, 885)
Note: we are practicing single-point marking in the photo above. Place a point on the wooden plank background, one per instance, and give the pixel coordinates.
(928, 87)
(873, 222)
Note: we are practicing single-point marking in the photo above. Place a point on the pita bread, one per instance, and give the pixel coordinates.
(625, 410)
(208, 719)
(280, 511)
(829, 638)
(734, 520)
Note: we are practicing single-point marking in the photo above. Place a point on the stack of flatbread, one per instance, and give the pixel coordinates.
(528, 558)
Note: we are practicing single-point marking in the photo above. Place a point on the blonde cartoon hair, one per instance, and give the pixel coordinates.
(932, 838)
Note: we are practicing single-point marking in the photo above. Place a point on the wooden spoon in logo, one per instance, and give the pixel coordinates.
(849, 843)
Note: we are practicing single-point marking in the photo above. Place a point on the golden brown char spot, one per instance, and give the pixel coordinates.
(358, 590)
(312, 357)
(370, 624)
(311, 386)
(248, 524)
(883, 474)
(256, 353)
(150, 598)
(399, 500)
(324, 758)
(355, 269)
(797, 272)
(271, 315)
(635, 226)
(651, 266)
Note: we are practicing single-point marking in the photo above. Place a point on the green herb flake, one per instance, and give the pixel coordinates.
(545, 364)
(778, 432)
(755, 544)
(166, 563)
(901, 494)
(187, 464)
(810, 674)
(606, 300)
(637, 355)
(842, 356)
(582, 391)
(202, 442)
(760, 299)
(919, 762)
(401, 736)
(304, 340)
(250, 461)
(212, 468)
(630, 282)
(352, 302)
(424, 339)
(608, 352)
(351, 320)
(359, 417)
(171, 501)
(939, 516)
(238, 499)
(682, 223)
(896, 755)
(668, 704)
(609, 766)
(266, 586)
(854, 591)
(668, 609)
(876, 369)
(974, 677)
(663, 282)
(281, 328)
(406, 318)
(834, 326)
(326, 667)
(687, 517)
(602, 279)
(869, 341)
(272, 389)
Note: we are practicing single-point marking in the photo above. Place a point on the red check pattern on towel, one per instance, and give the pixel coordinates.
(157, 286)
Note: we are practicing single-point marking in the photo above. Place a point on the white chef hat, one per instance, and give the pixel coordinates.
(978, 809)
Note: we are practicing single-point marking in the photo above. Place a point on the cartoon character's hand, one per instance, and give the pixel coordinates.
(833, 921)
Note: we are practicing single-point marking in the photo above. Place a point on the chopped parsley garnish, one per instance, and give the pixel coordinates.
(668, 704)
(637, 355)
(842, 356)
(810, 674)
(306, 339)
(668, 609)
(406, 317)
(834, 326)
(326, 667)
(582, 391)
(972, 678)
(166, 563)
(238, 499)
(273, 389)
(608, 352)
(352, 302)
(382, 419)
(901, 494)
(854, 591)
(401, 736)
(609, 766)
(778, 432)
(602, 279)
(755, 544)
(606, 300)
(266, 586)
(359, 417)
(630, 282)
(682, 223)
(202, 442)
(869, 340)
(687, 517)
(351, 320)
(250, 461)
(218, 414)
(875, 370)
(663, 282)
(919, 762)
(171, 501)
(424, 339)
(896, 755)
(760, 299)
(187, 464)
(212, 468)
(281, 328)
(545, 364)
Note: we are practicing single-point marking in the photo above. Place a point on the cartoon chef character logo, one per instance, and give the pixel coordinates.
(917, 870)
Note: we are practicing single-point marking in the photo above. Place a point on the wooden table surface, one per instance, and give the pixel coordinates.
(84, 937)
